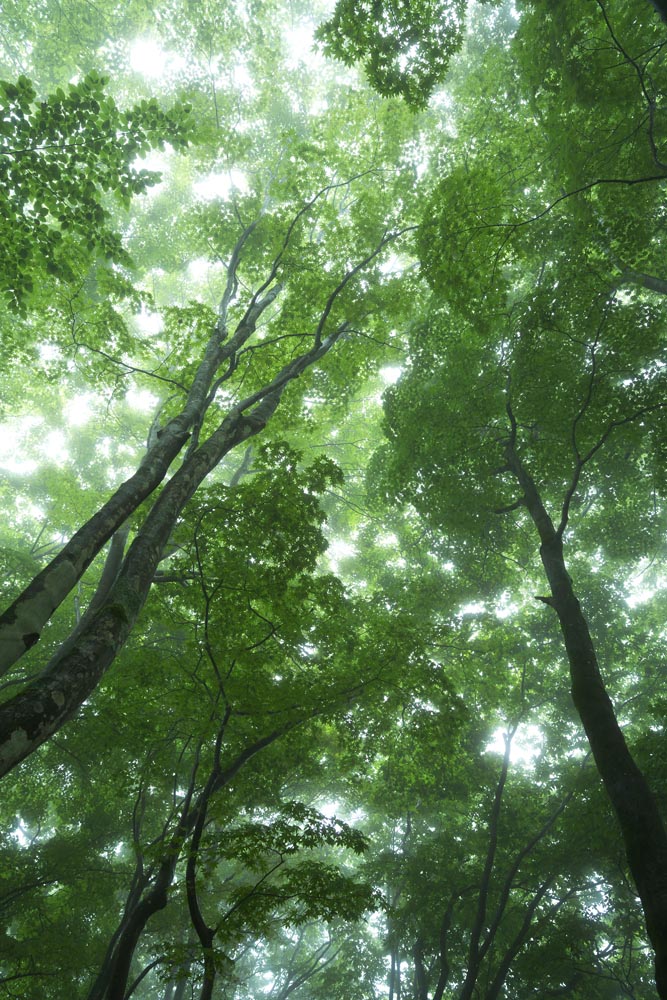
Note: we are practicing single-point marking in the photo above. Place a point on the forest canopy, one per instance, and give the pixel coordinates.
(334, 467)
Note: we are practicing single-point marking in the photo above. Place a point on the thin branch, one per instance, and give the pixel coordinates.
(142, 975)
(602, 440)
(650, 101)
(129, 369)
(299, 215)
(627, 181)
(514, 869)
(386, 239)
(232, 279)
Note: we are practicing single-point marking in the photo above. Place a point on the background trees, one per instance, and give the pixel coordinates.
(318, 735)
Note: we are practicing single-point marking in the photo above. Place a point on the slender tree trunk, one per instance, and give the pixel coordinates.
(498, 982)
(111, 984)
(421, 980)
(476, 948)
(641, 824)
(443, 975)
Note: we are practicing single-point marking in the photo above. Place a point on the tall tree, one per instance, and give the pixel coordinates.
(263, 245)
(547, 337)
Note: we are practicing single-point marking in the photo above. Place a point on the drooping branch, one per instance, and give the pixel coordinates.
(651, 102)
(582, 189)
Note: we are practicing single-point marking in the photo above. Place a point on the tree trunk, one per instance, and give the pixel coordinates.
(21, 624)
(111, 984)
(641, 824)
(43, 706)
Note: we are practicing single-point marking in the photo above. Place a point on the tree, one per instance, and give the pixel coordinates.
(73, 672)
(406, 51)
(58, 157)
(549, 396)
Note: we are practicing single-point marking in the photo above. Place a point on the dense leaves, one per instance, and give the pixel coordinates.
(58, 159)
(405, 48)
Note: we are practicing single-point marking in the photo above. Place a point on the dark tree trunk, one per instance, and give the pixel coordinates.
(641, 824)
(111, 983)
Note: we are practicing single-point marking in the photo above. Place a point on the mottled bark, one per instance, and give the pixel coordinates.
(22, 623)
(44, 705)
(47, 702)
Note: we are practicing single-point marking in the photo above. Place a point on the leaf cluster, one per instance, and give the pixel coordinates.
(59, 159)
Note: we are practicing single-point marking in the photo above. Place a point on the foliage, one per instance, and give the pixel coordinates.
(59, 157)
(405, 48)
(287, 434)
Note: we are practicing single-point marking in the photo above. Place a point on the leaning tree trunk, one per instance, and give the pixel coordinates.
(22, 622)
(641, 824)
(45, 704)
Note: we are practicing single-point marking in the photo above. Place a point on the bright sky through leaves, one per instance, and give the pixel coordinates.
(333, 449)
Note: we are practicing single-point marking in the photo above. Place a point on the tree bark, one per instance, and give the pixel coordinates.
(22, 623)
(44, 705)
(49, 701)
